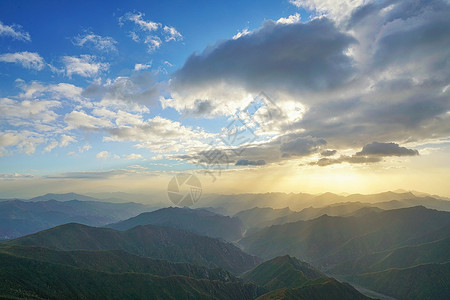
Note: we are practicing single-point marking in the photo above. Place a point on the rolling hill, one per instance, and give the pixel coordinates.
(148, 241)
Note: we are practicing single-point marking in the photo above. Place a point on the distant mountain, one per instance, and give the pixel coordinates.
(297, 202)
(18, 218)
(257, 217)
(403, 257)
(327, 241)
(428, 281)
(26, 278)
(199, 221)
(148, 241)
(281, 272)
(329, 289)
(63, 197)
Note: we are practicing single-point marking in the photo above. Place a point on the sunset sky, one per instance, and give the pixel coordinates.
(251, 96)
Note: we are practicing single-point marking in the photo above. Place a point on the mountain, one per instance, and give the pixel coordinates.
(149, 241)
(329, 289)
(240, 202)
(199, 221)
(281, 272)
(427, 281)
(257, 217)
(327, 241)
(117, 261)
(33, 279)
(18, 218)
(63, 197)
(407, 256)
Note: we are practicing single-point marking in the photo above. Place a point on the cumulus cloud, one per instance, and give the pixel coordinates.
(29, 60)
(386, 149)
(323, 162)
(102, 43)
(84, 65)
(103, 155)
(133, 156)
(139, 67)
(82, 120)
(328, 152)
(172, 34)
(15, 32)
(364, 71)
(299, 58)
(133, 93)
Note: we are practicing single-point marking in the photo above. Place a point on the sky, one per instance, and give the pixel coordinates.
(290, 96)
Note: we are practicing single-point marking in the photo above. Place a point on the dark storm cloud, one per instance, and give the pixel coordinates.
(300, 56)
(246, 162)
(302, 146)
(386, 149)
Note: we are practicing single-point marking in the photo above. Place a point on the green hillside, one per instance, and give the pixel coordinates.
(428, 281)
(281, 272)
(32, 279)
(148, 241)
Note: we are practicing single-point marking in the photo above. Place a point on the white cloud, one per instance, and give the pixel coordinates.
(133, 156)
(84, 148)
(66, 140)
(153, 42)
(14, 31)
(139, 67)
(241, 33)
(85, 65)
(29, 60)
(27, 112)
(81, 120)
(24, 141)
(332, 8)
(289, 20)
(137, 18)
(103, 155)
(102, 43)
(172, 34)
(50, 146)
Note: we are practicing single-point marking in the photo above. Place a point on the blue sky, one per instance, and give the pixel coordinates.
(144, 89)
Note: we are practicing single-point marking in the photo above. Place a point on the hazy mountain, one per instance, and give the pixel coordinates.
(63, 197)
(257, 217)
(18, 218)
(148, 241)
(297, 202)
(326, 241)
(428, 281)
(199, 221)
(281, 272)
(403, 257)
(33, 279)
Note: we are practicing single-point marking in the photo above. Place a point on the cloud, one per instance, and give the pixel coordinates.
(328, 152)
(85, 65)
(138, 19)
(139, 67)
(242, 33)
(27, 112)
(323, 162)
(331, 8)
(172, 34)
(245, 162)
(133, 156)
(29, 60)
(24, 141)
(149, 32)
(81, 120)
(302, 146)
(15, 32)
(66, 140)
(50, 146)
(295, 18)
(106, 43)
(386, 149)
(133, 93)
(103, 155)
(278, 58)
